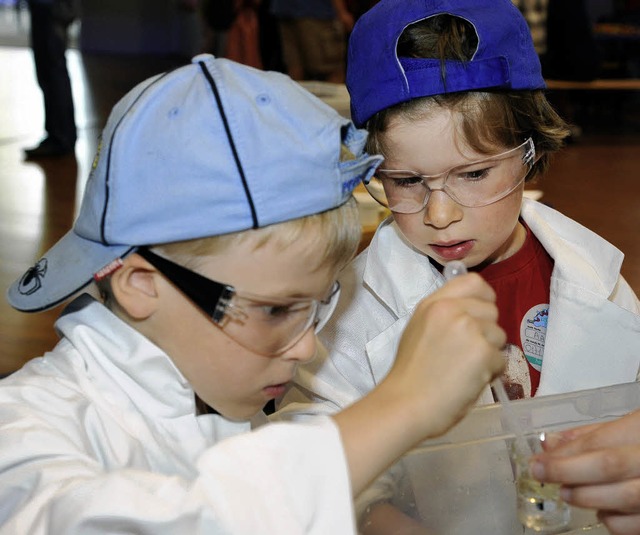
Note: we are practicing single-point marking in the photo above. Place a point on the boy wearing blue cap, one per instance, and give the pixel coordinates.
(215, 219)
(453, 98)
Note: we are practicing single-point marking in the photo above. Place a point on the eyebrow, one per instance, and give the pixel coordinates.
(293, 296)
(467, 164)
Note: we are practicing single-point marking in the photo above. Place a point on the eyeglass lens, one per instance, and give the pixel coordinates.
(476, 184)
(271, 329)
(258, 324)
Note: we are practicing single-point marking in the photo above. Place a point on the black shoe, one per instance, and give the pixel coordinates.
(48, 149)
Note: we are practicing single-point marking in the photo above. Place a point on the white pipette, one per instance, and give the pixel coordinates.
(453, 269)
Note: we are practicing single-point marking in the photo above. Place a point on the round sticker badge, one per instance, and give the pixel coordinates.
(533, 332)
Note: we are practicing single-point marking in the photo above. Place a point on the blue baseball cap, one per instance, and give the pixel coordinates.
(210, 148)
(377, 78)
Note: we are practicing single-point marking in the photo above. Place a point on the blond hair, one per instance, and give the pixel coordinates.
(334, 235)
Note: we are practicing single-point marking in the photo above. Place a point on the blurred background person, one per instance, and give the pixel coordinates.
(217, 17)
(242, 30)
(564, 39)
(243, 37)
(562, 34)
(314, 37)
(359, 7)
(50, 20)
(571, 49)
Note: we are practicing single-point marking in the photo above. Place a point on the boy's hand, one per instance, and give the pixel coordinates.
(599, 466)
(450, 351)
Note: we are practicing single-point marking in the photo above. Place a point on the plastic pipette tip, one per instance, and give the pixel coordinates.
(453, 269)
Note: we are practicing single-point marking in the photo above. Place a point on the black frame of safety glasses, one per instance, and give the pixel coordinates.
(210, 296)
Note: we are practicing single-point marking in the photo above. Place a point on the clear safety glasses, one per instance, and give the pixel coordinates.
(268, 326)
(472, 185)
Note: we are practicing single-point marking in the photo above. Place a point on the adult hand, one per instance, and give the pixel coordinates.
(599, 468)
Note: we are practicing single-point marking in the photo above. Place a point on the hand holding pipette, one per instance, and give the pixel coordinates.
(539, 508)
(453, 269)
(448, 352)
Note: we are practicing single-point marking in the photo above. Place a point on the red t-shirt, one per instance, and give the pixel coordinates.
(521, 283)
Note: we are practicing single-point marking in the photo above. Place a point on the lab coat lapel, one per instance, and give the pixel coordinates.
(585, 273)
(400, 276)
(602, 331)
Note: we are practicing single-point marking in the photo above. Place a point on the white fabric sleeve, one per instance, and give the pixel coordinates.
(283, 478)
(384, 489)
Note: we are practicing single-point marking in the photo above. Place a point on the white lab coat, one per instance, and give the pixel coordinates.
(593, 330)
(101, 436)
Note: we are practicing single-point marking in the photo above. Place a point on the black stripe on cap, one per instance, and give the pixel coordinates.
(107, 180)
(212, 83)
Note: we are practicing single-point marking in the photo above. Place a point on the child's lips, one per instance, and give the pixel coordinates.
(276, 390)
(452, 250)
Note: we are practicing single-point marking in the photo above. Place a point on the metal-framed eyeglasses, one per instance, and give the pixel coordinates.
(268, 326)
(473, 185)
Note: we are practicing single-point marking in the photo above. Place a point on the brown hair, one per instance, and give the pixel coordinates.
(486, 119)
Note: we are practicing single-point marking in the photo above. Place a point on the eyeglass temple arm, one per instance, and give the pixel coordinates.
(216, 297)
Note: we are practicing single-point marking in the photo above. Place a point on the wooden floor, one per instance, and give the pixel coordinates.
(596, 180)
(39, 201)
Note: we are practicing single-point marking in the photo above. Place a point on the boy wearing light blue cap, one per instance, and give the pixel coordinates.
(215, 219)
(452, 95)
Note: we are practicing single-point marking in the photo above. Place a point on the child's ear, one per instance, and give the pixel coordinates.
(134, 287)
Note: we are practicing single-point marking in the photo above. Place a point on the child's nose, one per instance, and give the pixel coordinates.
(304, 349)
(441, 210)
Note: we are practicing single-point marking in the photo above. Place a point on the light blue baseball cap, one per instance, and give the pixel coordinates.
(210, 148)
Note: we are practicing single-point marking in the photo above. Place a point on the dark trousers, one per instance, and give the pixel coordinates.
(49, 44)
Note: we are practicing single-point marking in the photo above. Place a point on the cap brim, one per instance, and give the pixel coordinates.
(62, 271)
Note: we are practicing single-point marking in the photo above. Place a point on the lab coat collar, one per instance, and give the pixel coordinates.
(396, 272)
(595, 267)
(401, 276)
(133, 370)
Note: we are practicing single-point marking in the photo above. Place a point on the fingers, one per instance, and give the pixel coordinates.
(451, 347)
(468, 285)
(446, 312)
(464, 316)
(620, 524)
(622, 497)
(497, 338)
(601, 466)
(467, 295)
(559, 438)
(621, 432)
(457, 327)
(597, 453)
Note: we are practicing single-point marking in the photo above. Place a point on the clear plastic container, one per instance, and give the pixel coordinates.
(465, 483)
(539, 506)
